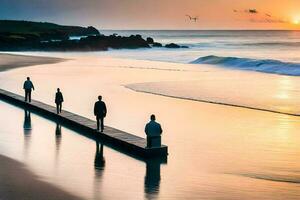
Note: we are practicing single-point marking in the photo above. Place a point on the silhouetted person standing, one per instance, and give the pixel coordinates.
(100, 112)
(28, 87)
(153, 131)
(58, 100)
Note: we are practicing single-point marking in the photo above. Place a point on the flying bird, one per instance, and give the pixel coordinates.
(261, 17)
(192, 18)
(252, 11)
(249, 11)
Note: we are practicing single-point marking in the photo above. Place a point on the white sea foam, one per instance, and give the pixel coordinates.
(264, 65)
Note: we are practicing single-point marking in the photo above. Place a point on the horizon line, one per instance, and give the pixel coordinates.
(140, 29)
(198, 29)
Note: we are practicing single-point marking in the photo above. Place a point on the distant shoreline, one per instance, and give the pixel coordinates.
(18, 35)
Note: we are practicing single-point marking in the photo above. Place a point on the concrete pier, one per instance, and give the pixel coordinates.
(117, 139)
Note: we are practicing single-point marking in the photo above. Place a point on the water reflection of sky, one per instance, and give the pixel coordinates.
(78, 164)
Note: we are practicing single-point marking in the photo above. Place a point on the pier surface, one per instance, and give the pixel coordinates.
(130, 144)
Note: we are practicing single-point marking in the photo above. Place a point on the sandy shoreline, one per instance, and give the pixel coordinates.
(17, 182)
(12, 61)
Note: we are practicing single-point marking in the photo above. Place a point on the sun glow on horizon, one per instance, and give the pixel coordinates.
(296, 21)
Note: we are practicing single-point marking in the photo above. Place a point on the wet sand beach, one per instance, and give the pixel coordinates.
(11, 61)
(17, 182)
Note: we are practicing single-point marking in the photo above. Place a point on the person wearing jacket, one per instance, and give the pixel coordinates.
(153, 131)
(100, 113)
(28, 87)
(58, 100)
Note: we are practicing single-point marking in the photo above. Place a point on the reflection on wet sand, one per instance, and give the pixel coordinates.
(99, 158)
(99, 164)
(57, 140)
(152, 178)
(27, 122)
(27, 127)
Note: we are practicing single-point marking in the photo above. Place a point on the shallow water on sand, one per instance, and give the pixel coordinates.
(257, 91)
(216, 152)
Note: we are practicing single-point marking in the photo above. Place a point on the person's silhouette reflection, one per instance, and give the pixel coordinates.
(99, 165)
(58, 130)
(57, 138)
(27, 127)
(99, 158)
(152, 178)
(27, 122)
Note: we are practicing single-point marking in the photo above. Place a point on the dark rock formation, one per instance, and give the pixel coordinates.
(175, 46)
(172, 45)
(38, 36)
(44, 30)
(90, 43)
(150, 40)
(156, 44)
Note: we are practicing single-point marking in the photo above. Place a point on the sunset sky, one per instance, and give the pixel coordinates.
(159, 14)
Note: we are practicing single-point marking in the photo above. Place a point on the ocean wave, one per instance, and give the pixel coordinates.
(266, 66)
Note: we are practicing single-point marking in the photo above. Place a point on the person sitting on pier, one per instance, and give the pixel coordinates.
(58, 100)
(28, 86)
(153, 131)
(100, 112)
